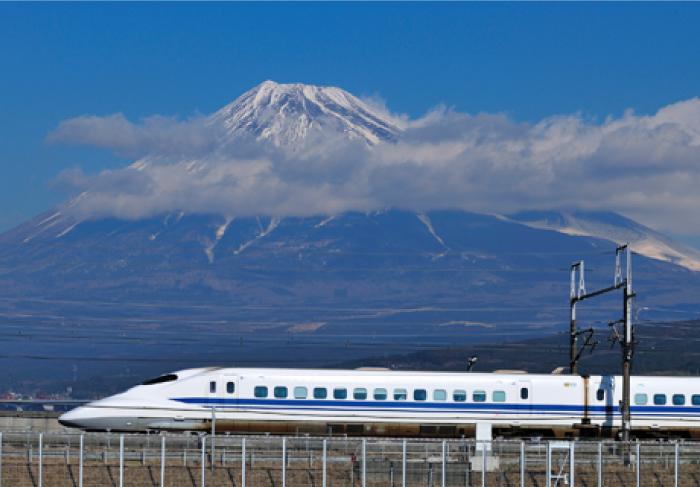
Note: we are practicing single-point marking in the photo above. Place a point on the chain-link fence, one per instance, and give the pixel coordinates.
(72, 460)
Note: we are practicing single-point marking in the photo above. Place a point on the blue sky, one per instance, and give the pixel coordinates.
(526, 60)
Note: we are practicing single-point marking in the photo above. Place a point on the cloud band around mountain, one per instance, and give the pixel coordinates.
(644, 167)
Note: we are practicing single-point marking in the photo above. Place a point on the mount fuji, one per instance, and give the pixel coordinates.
(359, 281)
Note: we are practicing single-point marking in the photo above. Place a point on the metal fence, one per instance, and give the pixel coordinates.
(37, 460)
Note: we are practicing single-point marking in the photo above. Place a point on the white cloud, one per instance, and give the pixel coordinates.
(644, 167)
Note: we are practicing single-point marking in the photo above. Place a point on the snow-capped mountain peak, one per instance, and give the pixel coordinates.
(287, 114)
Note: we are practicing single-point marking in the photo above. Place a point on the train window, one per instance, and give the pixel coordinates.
(340, 393)
(400, 394)
(600, 394)
(212, 387)
(280, 392)
(459, 396)
(479, 396)
(499, 396)
(320, 393)
(695, 400)
(524, 392)
(659, 399)
(640, 399)
(360, 393)
(380, 394)
(439, 395)
(678, 399)
(300, 392)
(260, 391)
(420, 395)
(230, 387)
(160, 380)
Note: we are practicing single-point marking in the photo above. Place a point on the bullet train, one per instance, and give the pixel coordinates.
(390, 403)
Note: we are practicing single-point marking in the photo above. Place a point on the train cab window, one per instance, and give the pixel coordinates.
(380, 394)
(300, 392)
(160, 380)
(640, 399)
(230, 387)
(499, 396)
(695, 400)
(479, 396)
(439, 395)
(524, 393)
(659, 399)
(360, 393)
(400, 394)
(320, 393)
(600, 394)
(420, 395)
(678, 399)
(459, 396)
(260, 391)
(340, 393)
(280, 392)
(212, 387)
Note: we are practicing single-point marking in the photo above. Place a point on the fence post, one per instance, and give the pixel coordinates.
(572, 468)
(639, 464)
(204, 460)
(403, 466)
(522, 463)
(0, 458)
(243, 465)
(444, 465)
(121, 461)
(483, 464)
(677, 463)
(284, 462)
(600, 464)
(549, 465)
(364, 463)
(41, 459)
(324, 463)
(80, 469)
(162, 461)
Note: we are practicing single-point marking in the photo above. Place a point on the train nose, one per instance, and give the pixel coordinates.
(72, 418)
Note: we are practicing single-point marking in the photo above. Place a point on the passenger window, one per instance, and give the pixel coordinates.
(439, 395)
(280, 392)
(659, 399)
(400, 394)
(300, 392)
(340, 393)
(640, 399)
(524, 393)
(260, 391)
(600, 394)
(212, 387)
(678, 399)
(230, 387)
(380, 394)
(320, 393)
(695, 400)
(360, 393)
(459, 396)
(499, 396)
(420, 395)
(479, 396)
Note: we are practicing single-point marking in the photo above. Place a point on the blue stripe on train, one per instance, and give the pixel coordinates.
(340, 406)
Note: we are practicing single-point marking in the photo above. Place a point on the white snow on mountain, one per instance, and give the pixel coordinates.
(642, 240)
(287, 114)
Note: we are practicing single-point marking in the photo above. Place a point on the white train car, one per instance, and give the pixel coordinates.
(391, 403)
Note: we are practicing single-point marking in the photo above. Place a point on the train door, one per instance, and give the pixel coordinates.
(524, 399)
(230, 392)
(214, 390)
(605, 399)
